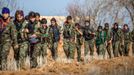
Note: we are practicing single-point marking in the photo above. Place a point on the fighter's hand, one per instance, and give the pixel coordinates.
(93, 33)
(76, 28)
(26, 30)
(109, 42)
(16, 46)
(34, 35)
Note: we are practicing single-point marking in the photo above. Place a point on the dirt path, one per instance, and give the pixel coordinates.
(115, 66)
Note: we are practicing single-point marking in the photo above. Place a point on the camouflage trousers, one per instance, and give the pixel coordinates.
(126, 48)
(34, 54)
(69, 48)
(78, 47)
(108, 48)
(117, 48)
(4, 51)
(89, 45)
(54, 50)
(23, 52)
(101, 49)
(133, 47)
(43, 49)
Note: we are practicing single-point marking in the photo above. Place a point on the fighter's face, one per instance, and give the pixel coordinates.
(115, 26)
(99, 29)
(70, 21)
(32, 19)
(107, 27)
(19, 17)
(126, 27)
(37, 18)
(5, 15)
(44, 26)
(53, 22)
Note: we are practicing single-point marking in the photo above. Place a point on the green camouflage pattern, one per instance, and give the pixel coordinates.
(8, 39)
(69, 43)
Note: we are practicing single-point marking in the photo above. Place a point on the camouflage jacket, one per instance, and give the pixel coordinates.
(132, 35)
(100, 37)
(116, 35)
(33, 32)
(69, 31)
(44, 34)
(87, 33)
(126, 35)
(79, 38)
(7, 32)
(107, 36)
(54, 33)
(20, 31)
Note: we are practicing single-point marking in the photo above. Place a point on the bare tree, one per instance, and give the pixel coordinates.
(100, 11)
(116, 7)
(86, 11)
(12, 4)
(129, 5)
(74, 9)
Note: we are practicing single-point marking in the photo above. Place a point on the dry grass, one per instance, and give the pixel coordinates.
(114, 66)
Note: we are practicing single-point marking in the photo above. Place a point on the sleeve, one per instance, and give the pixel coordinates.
(37, 31)
(13, 33)
(79, 32)
(131, 35)
(63, 28)
(26, 28)
(121, 36)
(60, 29)
(109, 35)
(73, 31)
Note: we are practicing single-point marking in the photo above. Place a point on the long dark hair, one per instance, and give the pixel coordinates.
(53, 19)
(106, 25)
(124, 30)
(19, 12)
(77, 25)
(115, 24)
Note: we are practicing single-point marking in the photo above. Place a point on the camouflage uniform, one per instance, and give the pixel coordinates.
(22, 52)
(116, 41)
(34, 43)
(44, 41)
(107, 38)
(88, 40)
(132, 39)
(54, 36)
(8, 38)
(100, 43)
(79, 42)
(69, 40)
(126, 40)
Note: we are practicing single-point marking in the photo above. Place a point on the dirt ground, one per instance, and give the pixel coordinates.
(114, 66)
